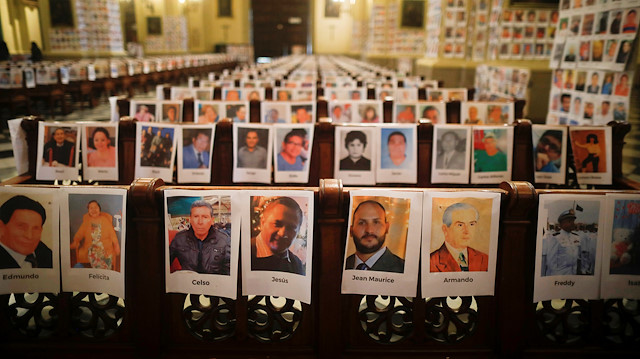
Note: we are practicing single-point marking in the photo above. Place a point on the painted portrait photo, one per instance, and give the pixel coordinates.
(460, 234)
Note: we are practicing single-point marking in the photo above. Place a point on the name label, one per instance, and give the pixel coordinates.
(20, 276)
(103, 171)
(634, 282)
(251, 173)
(568, 283)
(373, 279)
(395, 173)
(59, 171)
(458, 280)
(200, 282)
(487, 176)
(279, 280)
(155, 171)
(198, 173)
(98, 276)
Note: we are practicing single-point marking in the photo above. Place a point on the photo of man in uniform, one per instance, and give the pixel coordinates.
(368, 230)
(202, 248)
(21, 222)
(459, 226)
(280, 223)
(567, 250)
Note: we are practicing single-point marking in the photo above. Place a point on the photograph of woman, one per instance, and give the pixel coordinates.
(95, 243)
(101, 151)
(369, 115)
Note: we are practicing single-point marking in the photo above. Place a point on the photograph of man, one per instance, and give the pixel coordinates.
(459, 226)
(405, 114)
(273, 116)
(593, 150)
(280, 223)
(473, 118)
(195, 150)
(497, 114)
(431, 113)
(355, 142)
(625, 51)
(369, 229)
(202, 248)
(21, 222)
(394, 150)
(630, 22)
(451, 151)
(301, 113)
(59, 151)
(95, 243)
(232, 95)
(615, 23)
(548, 152)
(594, 86)
(565, 102)
(290, 157)
(251, 154)
(487, 155)
(156, 149)
(339, 115)
(237, 112)
(567, 250)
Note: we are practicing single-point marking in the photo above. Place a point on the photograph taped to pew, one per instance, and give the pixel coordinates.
(237, 111)
(277, 243)
(450, 161)
(592, 154)
(341, 111)
(459, 243)
(195, 146)
(275, 112)
(232, 94)
(58, 155)
(549, 153)
(434, 111)
(155, 150)
(354, 161)
(92, 239)
(169, 111)
(208, 111)
(254, 94)
(397, 154)
(405, 112)
(367, 111)
(568, 246)
(303, 112)
(252, 150)
(621, 248)
(100, 151)
(143, 110)
(292, 146)
(29, 241)
(374, 263)
(492, 154)
(202, 242)
(180, 93)
(19, 145)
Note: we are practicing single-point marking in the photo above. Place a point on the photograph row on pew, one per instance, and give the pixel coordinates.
(587, 245)
(363, 154)
(153, 322)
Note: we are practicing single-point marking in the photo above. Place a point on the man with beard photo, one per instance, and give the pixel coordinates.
(369, 230)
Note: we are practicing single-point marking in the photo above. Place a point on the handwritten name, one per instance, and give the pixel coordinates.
(458, 280)
(569, 283)
(20, 276)
(98, 276)
(279, 280)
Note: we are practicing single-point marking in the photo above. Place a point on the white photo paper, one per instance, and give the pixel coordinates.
(450, 159)
(211, 218)
(92, 239)
(355, 154)
(492, 154)
(58, 155)
(195, 149)
(30, 264)
(549, 153)
(568, 246)
(592, 154)
(252, 152)
(459, 243)
(155, 150)
(383, 242)
(397, 154)
(277, 243)
(620, 262)
(143, 110)
(100, 151)
(292, 146)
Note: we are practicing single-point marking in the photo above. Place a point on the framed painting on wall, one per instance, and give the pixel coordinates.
(412, 14)
(331, 8)
(154, 25)
(224, 8)
(61, 13)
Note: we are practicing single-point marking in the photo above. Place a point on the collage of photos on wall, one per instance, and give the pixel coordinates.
(527, 34)
(500, 82)
(593, 46)
(454, 21)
